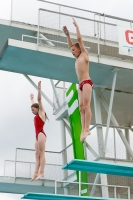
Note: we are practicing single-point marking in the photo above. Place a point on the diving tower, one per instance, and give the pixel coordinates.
(21, 53)
(41, 50)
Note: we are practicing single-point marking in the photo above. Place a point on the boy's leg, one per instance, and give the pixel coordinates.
(87, 89)
(82, 114)
(37, 161)
(41, 145)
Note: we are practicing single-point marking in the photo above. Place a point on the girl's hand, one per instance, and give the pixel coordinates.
(39, 85)
(31, 96)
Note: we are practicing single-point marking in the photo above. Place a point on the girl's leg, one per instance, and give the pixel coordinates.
(37, 161)
(41, 146)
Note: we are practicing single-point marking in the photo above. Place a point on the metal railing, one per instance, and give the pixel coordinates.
(54, 173)
(102, 30)
(47, 41)
(99, 27)
(116, 149)
(17, 5)
(50, 20)
(25, 158)
(20, 169)
(113, 195)
(88, 11)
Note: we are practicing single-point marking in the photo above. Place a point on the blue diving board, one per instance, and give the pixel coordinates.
(41, 196)
(99, 167)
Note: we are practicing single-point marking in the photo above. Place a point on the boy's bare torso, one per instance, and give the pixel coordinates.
(82, 67)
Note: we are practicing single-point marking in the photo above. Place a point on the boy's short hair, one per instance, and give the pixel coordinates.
(35, 105)
(76, 45)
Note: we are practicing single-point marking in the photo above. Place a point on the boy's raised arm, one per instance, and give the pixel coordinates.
(68, 36)
(79, 37)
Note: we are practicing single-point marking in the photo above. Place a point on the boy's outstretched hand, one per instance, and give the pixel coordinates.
(65, 30)
(74, 22)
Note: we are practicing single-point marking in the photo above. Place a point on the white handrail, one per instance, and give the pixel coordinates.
(96, 13)
(28, 36)
(80, 183)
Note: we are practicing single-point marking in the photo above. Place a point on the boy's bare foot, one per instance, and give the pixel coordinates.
(84, 135)
(39, 176)
(34, 177)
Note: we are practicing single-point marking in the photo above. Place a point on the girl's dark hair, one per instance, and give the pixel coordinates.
(36, 105)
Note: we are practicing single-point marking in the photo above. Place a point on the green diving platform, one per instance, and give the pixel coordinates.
(60, 197)
(99, 167)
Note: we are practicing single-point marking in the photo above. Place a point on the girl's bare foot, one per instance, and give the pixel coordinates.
(84, 135)
(34, 177)
(39, 176)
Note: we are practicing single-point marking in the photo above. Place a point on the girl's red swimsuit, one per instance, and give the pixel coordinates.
(38, 123)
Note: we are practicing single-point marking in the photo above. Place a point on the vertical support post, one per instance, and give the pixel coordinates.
(100, 26)
(98, 40)
(63, 142)
(104, 31)
(94, 27)
(97, 26)
(79, 183)
(127, 136)
(64, 154)
(114, 145)
(98, 118)
(64, 92)
(128, 192)
(15, 165)
(115, 192)
(67, 127)
(104, 182)
(30, 171)
(11, 12)
(55, 187)
(59, 17)
(110, 108)
(38, 28)
(116, 124)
